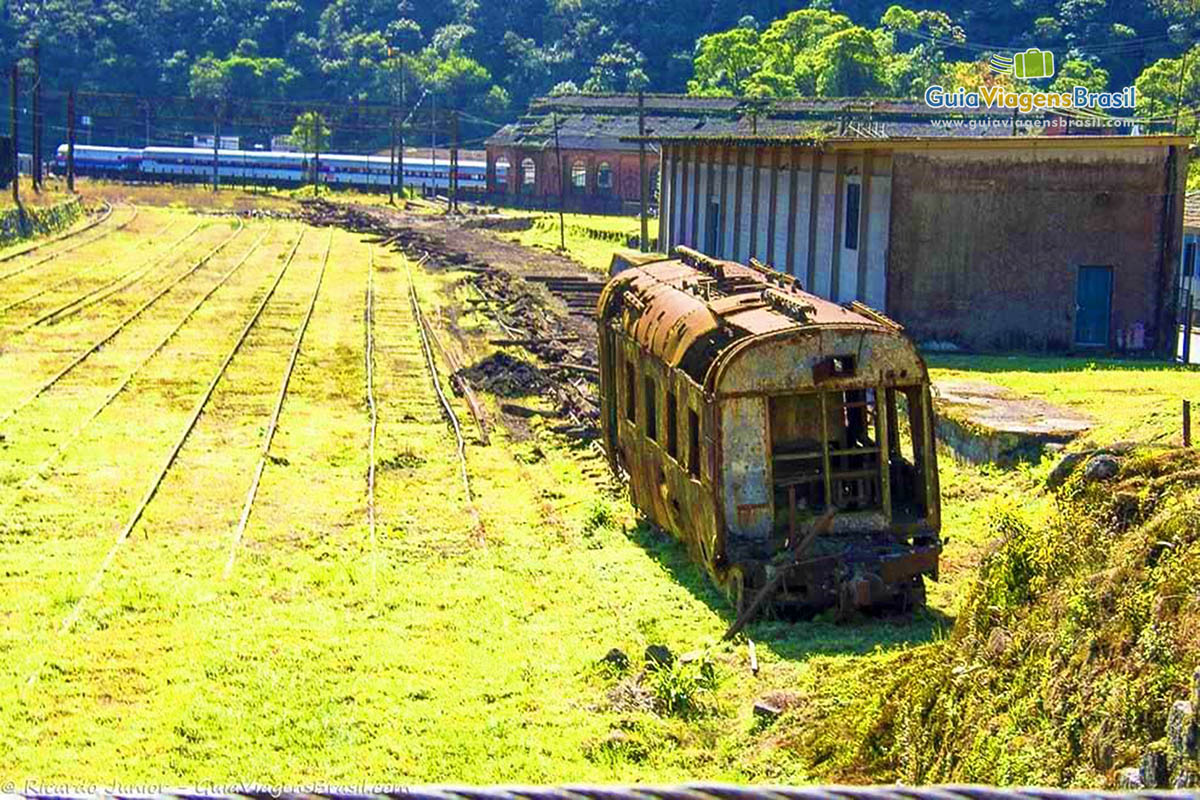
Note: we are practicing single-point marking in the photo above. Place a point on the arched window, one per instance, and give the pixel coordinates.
(604, 178)
(528, 172)
(500, 172)
(654, 183)
(579, 175)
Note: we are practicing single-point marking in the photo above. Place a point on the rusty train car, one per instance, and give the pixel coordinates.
(786, 440)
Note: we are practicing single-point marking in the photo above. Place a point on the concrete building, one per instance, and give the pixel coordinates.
(1027, 242)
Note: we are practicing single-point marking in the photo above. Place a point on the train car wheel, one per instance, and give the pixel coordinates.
(912, 595)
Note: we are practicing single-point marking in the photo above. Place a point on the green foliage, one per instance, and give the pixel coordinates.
(310, 133)
(682, 688)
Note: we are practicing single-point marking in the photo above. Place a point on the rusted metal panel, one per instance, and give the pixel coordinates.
(746, 478)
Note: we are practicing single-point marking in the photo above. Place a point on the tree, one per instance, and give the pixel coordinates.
(310, 133)
(1169, 89)
(724, 62)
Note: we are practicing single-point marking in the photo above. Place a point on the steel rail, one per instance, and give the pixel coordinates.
(108, 210)
(372, 408)
(426, 332)
(62, 447)
(127, 531)
(70, 278)
(273, 425)
(72, 247)
(437, 382)
(79, 359)
(141, 268)
(140, 276)
(694, 791)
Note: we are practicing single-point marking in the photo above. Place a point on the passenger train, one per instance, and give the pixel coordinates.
(275, 168)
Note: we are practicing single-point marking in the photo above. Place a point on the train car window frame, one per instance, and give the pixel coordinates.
(630, 393)
(693, 455)
(651, 412)
(672, 422)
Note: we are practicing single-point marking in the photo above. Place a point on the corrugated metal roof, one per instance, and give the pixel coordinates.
(606, 122)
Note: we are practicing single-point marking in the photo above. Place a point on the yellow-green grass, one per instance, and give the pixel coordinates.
(1130, 399)
(594, 253)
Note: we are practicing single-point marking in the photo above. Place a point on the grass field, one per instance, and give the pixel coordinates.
(456, 641)
(582, 245)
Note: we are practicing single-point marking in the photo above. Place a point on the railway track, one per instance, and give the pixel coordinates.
(45, 469)
(123, 282)
(372, 408)
(273, 425)
(114, 331)
(71, 248)
(70, 278)
(156, 480)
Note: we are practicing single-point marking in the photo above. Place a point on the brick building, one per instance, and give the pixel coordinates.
(1026, 242)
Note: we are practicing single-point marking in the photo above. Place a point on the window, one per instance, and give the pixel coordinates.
(630, 393)
(672, 426)
(693, 444)
(528, 172)
(651, 410)
(853, 199)
(604, 175)
(579, 175)
(1189, 260)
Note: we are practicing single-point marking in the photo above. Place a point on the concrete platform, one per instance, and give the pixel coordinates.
(982, 422)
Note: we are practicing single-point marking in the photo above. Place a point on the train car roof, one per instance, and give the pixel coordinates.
(104, 148)
(686, 309)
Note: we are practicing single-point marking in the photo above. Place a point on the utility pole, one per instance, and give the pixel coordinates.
(562, 185)
(36, 151)
(317, 155)
(403, 105)
(71, 141)
(433, 140)
(453, 202)
(392, 160)
(645, 232)
(216, 144)
(16, 161)
(1179, 89)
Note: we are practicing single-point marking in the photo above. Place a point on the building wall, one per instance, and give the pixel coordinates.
(977, 244)
(740, 203)
(986, 243)
(623, 166)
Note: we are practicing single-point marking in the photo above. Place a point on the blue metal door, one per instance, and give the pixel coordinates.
(1093, 306)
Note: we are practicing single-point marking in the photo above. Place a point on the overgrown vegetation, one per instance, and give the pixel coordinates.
(1075, 637)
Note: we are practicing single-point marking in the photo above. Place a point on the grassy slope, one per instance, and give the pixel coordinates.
(593, 253)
